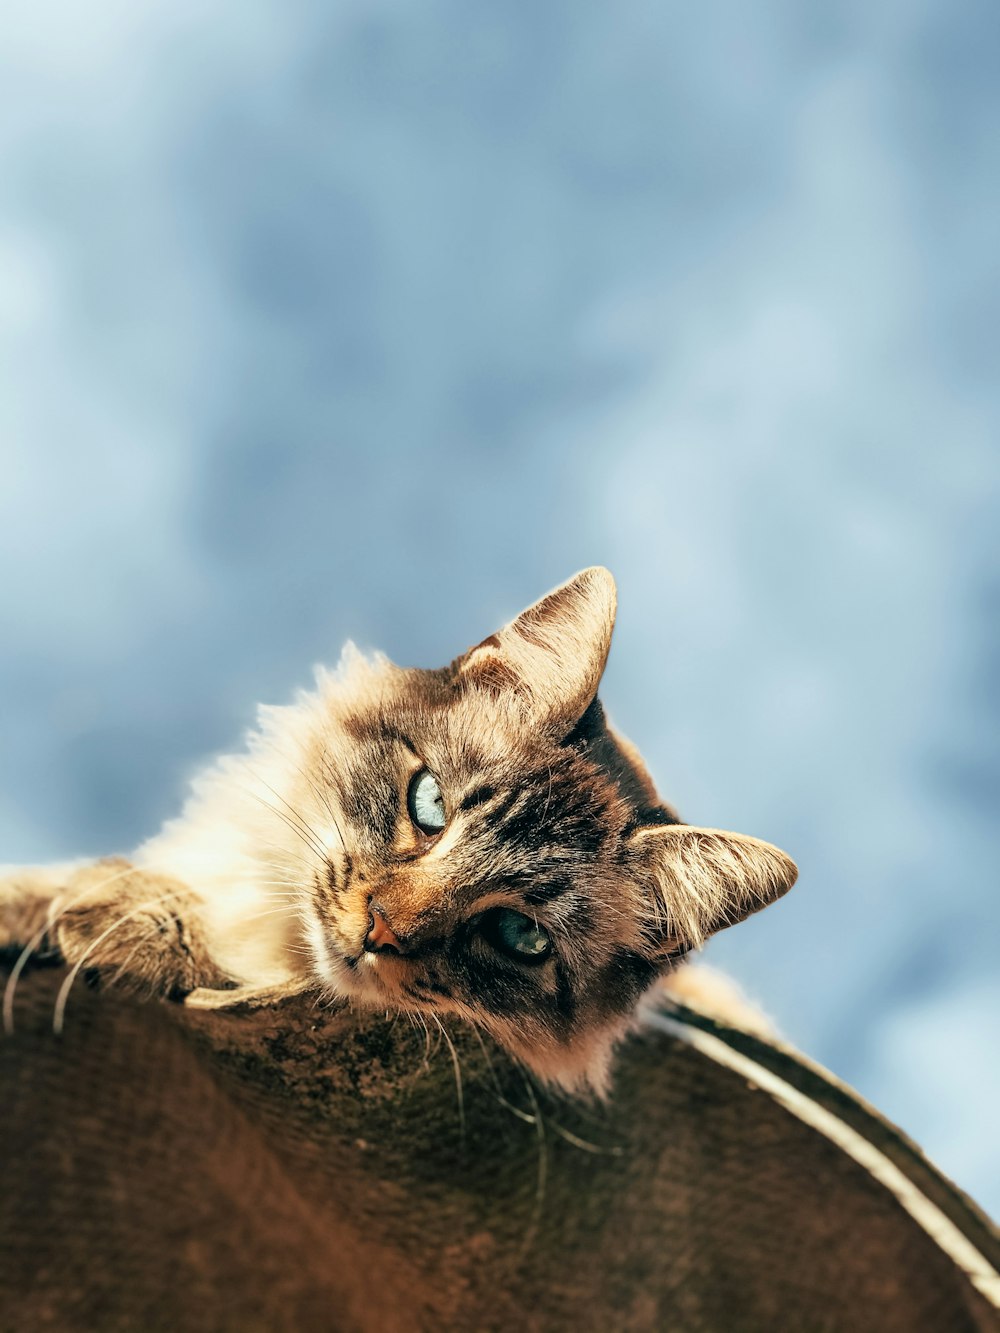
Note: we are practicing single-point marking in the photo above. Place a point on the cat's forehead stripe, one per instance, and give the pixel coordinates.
(548, 890)
(478, 796)
(378, 733)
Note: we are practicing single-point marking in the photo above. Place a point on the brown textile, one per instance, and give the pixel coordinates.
(292, 1168)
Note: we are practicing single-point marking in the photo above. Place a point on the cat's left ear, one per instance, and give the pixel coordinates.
(698, 881)
(553, 655)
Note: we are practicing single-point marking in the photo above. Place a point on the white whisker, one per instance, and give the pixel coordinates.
(52, 920)
(64, 990)
(457, 1066)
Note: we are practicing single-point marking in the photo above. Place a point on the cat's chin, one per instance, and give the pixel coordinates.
(353, 978)
(332, 967)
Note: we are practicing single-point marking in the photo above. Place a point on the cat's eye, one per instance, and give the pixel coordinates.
(517, 935)
(425, 803)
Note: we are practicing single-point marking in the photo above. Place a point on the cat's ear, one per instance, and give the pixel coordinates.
(697, 881)
(553, 654)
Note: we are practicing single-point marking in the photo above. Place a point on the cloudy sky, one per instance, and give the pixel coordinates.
(378, 323)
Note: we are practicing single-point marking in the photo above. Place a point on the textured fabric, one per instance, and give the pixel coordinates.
(294, 1168)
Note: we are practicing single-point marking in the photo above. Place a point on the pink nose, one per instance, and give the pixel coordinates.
(381, 937)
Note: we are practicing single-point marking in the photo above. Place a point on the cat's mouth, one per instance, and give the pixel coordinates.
(357, 973)
(374, 981)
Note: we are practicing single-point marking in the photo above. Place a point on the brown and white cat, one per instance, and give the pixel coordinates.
(473, 841)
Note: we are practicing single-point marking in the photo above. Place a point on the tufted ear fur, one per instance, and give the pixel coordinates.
(553, 655)
(698, 881)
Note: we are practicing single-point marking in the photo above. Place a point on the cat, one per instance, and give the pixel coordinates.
(474, 841)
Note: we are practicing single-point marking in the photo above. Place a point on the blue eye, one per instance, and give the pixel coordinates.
(517, 935)
(425, 803)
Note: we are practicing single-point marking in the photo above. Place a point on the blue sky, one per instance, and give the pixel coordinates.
(377, 324)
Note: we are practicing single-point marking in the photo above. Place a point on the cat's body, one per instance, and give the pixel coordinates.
(473, 841)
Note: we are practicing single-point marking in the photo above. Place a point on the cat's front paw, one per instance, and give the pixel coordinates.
(130, 927)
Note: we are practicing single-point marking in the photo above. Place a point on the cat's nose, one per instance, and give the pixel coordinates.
(381, 937)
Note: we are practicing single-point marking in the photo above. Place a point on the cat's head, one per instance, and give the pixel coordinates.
(493, 850)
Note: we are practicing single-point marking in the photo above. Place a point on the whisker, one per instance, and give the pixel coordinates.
(298, 816)
(536, 1212)
(52, 919)
(323, 796)
(293, 819)
(515, 1110)
(62, 998)
(457, 1066)
(271, 911)
(613, 1151)
(306, 837)
(286, 854)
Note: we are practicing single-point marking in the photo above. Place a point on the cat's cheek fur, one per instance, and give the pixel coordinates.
(580, 1067)
(328, 968)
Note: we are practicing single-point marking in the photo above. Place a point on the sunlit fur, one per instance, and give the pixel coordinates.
(283, 852)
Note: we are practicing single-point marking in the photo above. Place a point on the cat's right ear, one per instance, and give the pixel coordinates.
(696, 881)
(552, 656)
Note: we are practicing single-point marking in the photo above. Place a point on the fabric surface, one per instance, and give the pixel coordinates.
(294, 1168)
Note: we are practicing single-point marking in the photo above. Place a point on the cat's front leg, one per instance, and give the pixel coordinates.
(27, 896)
(127, 924)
